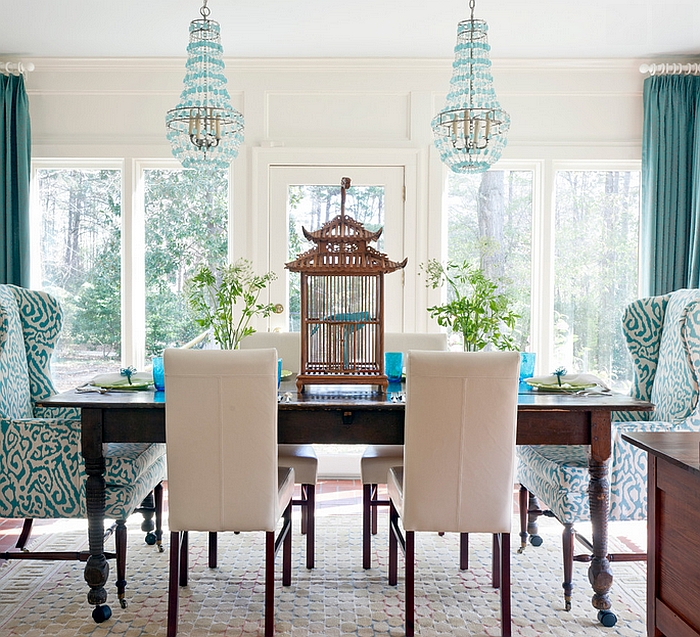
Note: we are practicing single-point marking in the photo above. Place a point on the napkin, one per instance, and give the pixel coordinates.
(139, 380)
(568, 381)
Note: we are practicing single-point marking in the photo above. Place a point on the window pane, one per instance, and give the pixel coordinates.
(311, 207)
(186, 225)
(80, 264)
(596, 270)
(489, 217)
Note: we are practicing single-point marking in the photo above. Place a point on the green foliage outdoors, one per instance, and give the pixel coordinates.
(226, 298)
(475, 308)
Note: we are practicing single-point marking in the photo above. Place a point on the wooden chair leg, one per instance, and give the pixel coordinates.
(213, 549)
(304, 517)
(506, 619)
(173, 592)
(184, 563)
(120, 549)
(158, 497)
(287, 547)
(269, 583)
(366, 525)
(393, 547)
(522, 511)
(496, 561)
(463, 551)
(24, 535)
(410, 583)
(567, 544)
(373, 508)
(310, 515)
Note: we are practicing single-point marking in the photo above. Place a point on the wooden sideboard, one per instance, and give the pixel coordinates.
(673, 552)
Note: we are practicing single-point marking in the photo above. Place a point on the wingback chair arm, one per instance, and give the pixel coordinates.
(690, 331)
(642, 325)
(56, 413)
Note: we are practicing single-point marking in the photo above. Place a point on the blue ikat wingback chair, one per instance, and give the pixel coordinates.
(663, 338)
(42, 473)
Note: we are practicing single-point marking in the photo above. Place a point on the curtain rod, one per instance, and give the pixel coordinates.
(16, 68)
(690, 68)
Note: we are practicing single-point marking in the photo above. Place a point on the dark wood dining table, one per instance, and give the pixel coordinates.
(349, 414)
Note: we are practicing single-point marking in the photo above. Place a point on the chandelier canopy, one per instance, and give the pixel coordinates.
(204, 130)
(470, 131)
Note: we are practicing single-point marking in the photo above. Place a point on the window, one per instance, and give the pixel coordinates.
(186, 226)
(120, 276)
(594, 226)
(489, 219)
(79, 235)
(595, 270)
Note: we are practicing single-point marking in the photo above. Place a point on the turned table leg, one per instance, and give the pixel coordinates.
(97, 567)
(599, 571)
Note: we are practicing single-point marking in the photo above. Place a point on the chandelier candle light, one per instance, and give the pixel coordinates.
(204, 130)
(470, 132)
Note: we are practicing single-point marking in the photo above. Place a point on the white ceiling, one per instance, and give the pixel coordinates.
(656, 29)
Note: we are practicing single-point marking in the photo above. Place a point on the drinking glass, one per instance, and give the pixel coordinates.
(158, 373)
(393, 366)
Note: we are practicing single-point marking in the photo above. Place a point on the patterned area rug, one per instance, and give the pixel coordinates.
(336, 598)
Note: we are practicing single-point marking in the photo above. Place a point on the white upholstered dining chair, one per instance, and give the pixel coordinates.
(302, 458)
(457, 474)
(378, 459)
(223, 474)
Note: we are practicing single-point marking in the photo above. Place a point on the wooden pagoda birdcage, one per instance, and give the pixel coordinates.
(342, 303)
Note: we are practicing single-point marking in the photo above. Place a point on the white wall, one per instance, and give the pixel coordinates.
(343, 112)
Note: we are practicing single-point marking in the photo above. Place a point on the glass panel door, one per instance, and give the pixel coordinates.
(309, 196)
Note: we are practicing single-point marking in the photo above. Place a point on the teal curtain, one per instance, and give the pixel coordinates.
(670, 223)
(15, 160)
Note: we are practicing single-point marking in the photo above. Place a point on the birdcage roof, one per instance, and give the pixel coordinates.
(342, 227)
(349, 258)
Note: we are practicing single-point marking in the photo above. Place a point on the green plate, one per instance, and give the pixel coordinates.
(286, 374)
(139, 380)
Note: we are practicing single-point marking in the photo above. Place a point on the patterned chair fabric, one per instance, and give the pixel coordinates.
(42, 473)
(663, 338)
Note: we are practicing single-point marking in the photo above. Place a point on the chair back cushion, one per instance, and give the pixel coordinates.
(15, 395)
(675, 389)
(461, 414)
(287, 344)
(221, 438)
(405, 341)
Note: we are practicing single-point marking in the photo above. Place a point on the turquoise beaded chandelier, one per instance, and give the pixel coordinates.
(204, 130)
(470, 131)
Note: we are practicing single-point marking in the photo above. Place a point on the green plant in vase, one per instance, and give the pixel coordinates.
(474, 308)
(225, 299)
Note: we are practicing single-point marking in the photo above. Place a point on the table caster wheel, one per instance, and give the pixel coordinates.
(150, 539)
(535, 540)
(101, 613)
(122, 603)
(607, 618)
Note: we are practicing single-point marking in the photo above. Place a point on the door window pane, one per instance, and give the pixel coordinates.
(186, 225)
(311, 207)
(596, 270)
(489, 219)
(79, 238)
